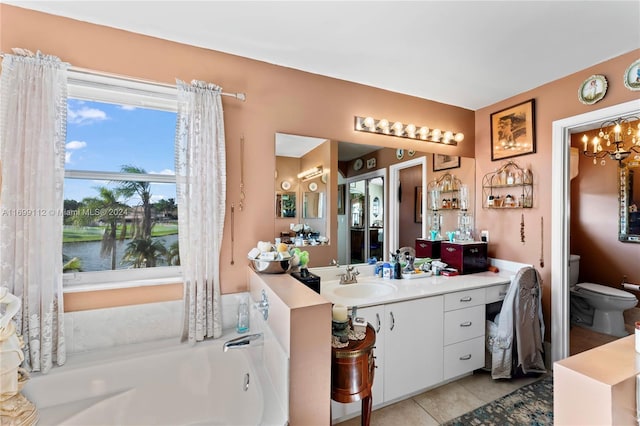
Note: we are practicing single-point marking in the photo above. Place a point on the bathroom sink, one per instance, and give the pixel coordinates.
(363, 290)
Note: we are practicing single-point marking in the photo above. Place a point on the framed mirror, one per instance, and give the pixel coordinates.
(285, 204)
(629, 204)
(313, 205)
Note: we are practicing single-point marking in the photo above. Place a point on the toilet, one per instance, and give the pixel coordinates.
(598, 307)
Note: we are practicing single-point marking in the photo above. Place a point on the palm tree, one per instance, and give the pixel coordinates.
(173, 255)
(144, 252)
(106, 209)
(143, 189)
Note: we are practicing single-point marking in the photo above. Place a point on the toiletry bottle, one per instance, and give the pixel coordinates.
(397, 267)
(243, 317)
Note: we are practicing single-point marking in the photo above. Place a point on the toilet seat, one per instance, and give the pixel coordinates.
(606, 290)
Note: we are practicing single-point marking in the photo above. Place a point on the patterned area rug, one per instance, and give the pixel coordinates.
(532, 405)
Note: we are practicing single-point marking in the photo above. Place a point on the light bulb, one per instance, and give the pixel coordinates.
(370, 123)
(384, 125)
(424, 132)
(411, 130)
(397, 128)
(459, 137)
(435, 135)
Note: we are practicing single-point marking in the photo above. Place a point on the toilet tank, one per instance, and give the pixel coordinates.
(574, 269)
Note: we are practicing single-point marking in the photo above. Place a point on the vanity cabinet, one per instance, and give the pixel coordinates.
(413, 346)
(408, 350)
(464, 330)
(423, 342)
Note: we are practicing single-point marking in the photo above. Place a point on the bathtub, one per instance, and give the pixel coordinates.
(160, 383)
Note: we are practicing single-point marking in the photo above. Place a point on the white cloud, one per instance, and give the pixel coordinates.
(164, 172)
(85, 115)
(75, 145)
(71, 146)
(128, 107)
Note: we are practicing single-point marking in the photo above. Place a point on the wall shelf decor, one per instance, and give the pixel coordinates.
(448, 186)
(509, 187)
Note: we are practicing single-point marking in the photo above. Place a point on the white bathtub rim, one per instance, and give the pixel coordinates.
(273, 412)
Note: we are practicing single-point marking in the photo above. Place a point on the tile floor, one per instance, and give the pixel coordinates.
(444, 403)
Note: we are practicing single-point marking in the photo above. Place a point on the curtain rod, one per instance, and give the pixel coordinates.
(240, 96)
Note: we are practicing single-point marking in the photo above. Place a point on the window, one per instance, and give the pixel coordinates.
(120, 212)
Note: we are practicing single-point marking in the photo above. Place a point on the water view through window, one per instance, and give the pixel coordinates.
(120, 207)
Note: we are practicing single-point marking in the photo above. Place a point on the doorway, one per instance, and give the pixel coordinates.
(560, 215)
(366, 195)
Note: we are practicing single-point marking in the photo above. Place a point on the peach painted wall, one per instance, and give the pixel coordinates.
(279, 99)
(594, 223)
(554, 101)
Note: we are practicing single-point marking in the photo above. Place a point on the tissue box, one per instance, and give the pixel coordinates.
(359, 324)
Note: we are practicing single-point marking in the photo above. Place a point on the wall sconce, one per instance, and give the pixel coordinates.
(409, 131)
(612, 132)
(310, 174)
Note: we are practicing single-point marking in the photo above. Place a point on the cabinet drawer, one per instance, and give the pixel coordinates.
(464, 299)
(496, 293)
(463, 324)
(463, 357)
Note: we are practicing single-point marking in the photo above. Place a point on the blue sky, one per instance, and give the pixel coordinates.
(104, 137)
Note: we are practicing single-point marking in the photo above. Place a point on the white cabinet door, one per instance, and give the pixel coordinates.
(413, 346)
(374, 316)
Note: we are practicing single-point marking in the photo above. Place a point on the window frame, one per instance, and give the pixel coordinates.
(90, 86)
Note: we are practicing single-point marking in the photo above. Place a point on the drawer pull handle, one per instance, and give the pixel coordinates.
(474, 250)
(393, 321)
(379, 323)
(451, 249)
(502, 293)
(465, 357)
(466, 299)
(466, 324)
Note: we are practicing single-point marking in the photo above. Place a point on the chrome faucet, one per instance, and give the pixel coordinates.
(242, 341)
(350, 276)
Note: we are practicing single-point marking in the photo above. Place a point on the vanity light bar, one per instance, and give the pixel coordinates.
(410, 131)
(310, 174)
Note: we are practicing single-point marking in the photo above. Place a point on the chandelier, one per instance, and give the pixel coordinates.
(618, 137)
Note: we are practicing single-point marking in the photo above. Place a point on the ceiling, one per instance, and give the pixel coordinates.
(470, 54)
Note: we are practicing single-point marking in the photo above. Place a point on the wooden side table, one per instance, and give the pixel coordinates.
(352, 371)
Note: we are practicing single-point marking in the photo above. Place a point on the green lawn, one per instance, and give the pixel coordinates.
(77, 234)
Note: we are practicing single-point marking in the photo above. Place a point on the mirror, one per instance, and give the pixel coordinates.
(313, 205)
(286, 204)
(301, 176)
(357, 162)
(629, 195)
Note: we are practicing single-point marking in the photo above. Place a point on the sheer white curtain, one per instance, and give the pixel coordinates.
(33, 113)
(201, 179)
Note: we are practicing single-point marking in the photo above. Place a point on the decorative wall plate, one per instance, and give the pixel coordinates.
(592, 89)
(411, 153)
(313, 186)
(632, 76)
(285, 185)
(371, 163)
(357, 165)
(399, 153)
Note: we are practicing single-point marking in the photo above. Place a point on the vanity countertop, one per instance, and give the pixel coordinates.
(377, 291)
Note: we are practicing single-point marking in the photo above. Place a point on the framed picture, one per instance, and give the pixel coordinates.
(632, 76)
(341, 195)
(513, 131)
(592, 89)
(418, 207)
(444, 162)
